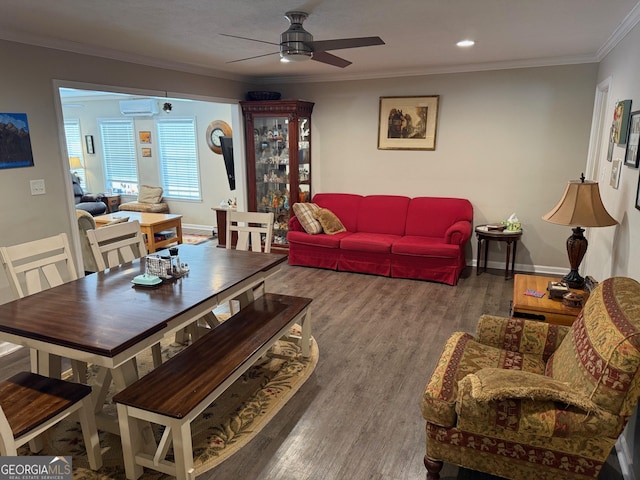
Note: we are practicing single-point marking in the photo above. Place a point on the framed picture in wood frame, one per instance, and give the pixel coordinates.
(408, 123)
(633, 138)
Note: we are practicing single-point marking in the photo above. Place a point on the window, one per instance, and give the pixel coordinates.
(177, 148)
(74, 148)
(119, 153)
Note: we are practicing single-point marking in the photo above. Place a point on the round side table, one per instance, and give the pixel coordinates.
(485, 235)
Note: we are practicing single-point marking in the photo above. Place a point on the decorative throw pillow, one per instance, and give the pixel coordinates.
(148, 194)
(304, 213)
(330, 223)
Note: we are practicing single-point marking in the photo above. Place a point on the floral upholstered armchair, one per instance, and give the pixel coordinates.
(525, 399)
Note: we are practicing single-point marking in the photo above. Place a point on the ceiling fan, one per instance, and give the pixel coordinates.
(297, 45)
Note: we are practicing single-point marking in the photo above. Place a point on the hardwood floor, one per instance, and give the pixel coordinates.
(358, 416)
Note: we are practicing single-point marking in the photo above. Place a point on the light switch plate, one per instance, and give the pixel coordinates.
(37, 187)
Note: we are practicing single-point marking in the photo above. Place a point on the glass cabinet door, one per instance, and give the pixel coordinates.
(271, 140)
(304, 160)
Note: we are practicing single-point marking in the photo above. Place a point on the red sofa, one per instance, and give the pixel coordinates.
(422, 238)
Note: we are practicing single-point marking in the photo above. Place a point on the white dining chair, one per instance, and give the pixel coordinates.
(114, 245)
(35, 266)
(254, 231)
(31, 404)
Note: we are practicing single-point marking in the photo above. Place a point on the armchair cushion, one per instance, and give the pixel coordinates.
(149, 194)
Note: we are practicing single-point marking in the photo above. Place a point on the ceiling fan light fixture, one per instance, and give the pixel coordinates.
(287, 57)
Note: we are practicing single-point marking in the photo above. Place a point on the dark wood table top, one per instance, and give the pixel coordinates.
(105, 314)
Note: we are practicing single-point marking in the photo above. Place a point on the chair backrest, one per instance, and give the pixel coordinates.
(600, 356)
(38, 265)
(116, 244)
(250, 226)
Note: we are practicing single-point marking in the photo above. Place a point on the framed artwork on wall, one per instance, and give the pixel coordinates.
(16, 151)
(621, 121)
(638, 195)
(408, 123)
(88, 140)
(614, 181)
(633, 138)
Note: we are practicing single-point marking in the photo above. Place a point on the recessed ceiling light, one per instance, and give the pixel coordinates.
(466, 43)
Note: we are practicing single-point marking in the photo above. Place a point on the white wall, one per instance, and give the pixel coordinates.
(214, 184)
(508, 140)
(27, 85)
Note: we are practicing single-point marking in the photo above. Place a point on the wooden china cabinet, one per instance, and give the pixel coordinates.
(278, 136)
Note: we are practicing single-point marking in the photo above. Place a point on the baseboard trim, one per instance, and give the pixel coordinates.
(198, 229)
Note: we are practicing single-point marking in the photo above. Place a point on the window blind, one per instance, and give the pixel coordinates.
(179, 158)
(74, 147)
(119, 154)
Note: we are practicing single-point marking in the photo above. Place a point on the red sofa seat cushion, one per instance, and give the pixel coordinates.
(425, 246)
(383, 214)
(319, 240)
(369, 242)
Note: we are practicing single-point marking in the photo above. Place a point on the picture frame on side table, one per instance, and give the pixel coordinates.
(408, 123)
(631, 158)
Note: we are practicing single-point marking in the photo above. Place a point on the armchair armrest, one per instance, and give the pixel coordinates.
(530, 404)
(458, 233)
(92, 197)
(520, 335)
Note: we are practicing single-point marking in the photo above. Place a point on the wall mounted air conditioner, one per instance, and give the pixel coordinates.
(139, 108)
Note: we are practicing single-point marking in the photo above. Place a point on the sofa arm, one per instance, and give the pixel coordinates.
(458, 233)
(529, 404)
(520, 335)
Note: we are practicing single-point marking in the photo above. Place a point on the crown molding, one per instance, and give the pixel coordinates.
(630, 21)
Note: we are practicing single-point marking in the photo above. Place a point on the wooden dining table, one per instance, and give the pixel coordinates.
(105, 320)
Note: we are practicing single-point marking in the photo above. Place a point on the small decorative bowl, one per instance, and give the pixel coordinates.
(257, 95)
(573, 300)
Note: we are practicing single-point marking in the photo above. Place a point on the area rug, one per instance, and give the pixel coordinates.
(227, 425)
(195, 238)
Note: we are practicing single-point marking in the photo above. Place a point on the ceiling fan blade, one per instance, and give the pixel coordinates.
(250, 58)
(325, 57)
(250, 39)
(338, 43)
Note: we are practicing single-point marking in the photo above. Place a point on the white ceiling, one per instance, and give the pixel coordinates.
(419, 35)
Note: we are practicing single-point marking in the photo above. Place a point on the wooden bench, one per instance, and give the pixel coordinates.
(176, 392)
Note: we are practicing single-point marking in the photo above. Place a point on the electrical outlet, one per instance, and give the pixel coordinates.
(37, 187)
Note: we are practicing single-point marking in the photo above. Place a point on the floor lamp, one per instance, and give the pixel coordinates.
(580, 206)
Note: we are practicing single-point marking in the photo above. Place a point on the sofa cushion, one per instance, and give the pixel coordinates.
(149, 194)
(600, 356)
(330, 222)
(432, 216)
(369, 242)
(383, 214)
(304, 214)
(424, 246)
(344, 205)
(319, 240)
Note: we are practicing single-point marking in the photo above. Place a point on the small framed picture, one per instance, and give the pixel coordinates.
(616, 167)
(146, 152)
(145, 136)
(408, 123)
(631, 157)
(88, 140)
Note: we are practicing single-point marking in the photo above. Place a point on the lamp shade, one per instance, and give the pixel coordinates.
(75, 163)
(580, 206)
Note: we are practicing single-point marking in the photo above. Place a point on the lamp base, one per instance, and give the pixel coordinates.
(573, 279)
